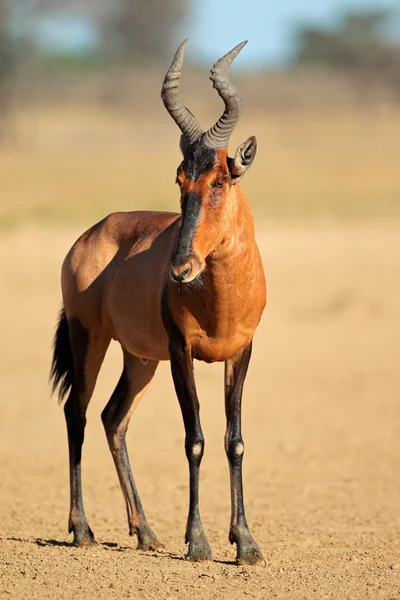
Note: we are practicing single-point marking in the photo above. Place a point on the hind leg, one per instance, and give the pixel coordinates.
(134, 381)
(88, 353)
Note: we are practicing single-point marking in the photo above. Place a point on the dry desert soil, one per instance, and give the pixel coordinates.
(321, 424)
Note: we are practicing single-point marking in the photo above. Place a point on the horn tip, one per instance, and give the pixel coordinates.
(177, 62)
(181, 49)
(228, 58)
(240, 46)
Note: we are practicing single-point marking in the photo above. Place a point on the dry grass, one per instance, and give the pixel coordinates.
(77, 165)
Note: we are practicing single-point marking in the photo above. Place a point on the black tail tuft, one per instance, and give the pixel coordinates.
(62, 370)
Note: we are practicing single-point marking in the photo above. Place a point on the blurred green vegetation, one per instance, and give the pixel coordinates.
(81, 62)
(364, 44)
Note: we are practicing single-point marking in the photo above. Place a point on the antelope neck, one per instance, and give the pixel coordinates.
(237, 250)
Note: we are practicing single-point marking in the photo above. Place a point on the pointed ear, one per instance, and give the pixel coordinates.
(243, 160)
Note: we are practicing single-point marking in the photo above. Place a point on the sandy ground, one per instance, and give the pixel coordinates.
(321, 427)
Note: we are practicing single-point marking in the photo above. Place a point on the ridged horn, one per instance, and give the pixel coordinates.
(182, 116)
(218, 135)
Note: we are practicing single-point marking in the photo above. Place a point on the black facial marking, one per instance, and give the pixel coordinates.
(198, 159)
(191, 206)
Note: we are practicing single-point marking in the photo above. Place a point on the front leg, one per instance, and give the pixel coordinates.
(183, 376)
(248, 553)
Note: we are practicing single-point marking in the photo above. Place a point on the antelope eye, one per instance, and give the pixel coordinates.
(218, 184)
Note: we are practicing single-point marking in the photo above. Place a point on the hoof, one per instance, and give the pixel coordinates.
(251, 556)
(150, 545)
(85, 543)
(197, 555)
(199, 549)
(84, 538)
(248, 553)
(147, 540)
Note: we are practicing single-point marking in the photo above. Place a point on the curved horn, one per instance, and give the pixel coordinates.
(218, 135)
(182, 116)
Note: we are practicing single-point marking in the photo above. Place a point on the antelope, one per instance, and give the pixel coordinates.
(167, 286)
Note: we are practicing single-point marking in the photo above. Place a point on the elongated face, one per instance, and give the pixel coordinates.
(206, 174)
(206, 178)
(205, 182)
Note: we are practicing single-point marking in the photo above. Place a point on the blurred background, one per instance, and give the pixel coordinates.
(83, 127)
(83, 132)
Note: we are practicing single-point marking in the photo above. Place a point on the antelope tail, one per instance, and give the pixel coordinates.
(62, 368)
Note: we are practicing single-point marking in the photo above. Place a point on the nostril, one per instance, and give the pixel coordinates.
(186, 272)
(181, 275)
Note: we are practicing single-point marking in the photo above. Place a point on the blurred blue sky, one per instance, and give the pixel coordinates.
(65, 33)
(215, 26)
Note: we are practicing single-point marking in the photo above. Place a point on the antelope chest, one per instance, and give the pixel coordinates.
(216, 335)
(219, 318)
(219, 348)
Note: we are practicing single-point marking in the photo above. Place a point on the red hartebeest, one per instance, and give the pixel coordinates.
(168, 287)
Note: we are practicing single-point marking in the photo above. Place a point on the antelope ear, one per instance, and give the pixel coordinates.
(243, 160)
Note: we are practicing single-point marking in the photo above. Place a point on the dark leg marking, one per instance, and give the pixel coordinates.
(183, 376)
(134, 380)
(75, 415)
(76, 363)
(248, 553)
